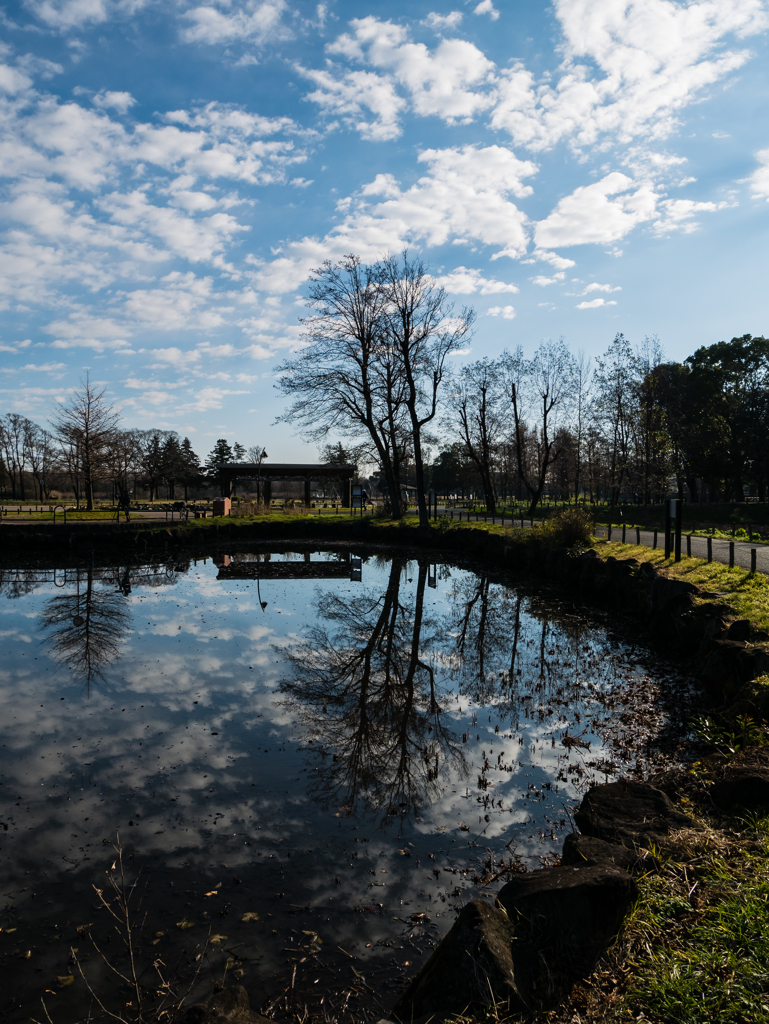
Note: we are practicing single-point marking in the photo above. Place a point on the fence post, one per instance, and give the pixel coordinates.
(623, 532)
(608, 532)
(710, 549)
(731, 554)
(752, 559)
(638, 535)
(688, 545)
(655, 541)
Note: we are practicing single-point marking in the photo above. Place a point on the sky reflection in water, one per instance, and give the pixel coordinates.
(371, 749)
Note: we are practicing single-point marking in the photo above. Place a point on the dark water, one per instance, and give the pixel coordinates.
(347, 754)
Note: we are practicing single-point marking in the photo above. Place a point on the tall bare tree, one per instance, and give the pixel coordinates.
(423, 330)
(476, 408)
(345, 380)
(85, 429)
(540, 391)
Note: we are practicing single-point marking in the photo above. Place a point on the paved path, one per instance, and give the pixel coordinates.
(699, 545)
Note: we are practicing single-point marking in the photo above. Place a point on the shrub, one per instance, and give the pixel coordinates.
(568, 528)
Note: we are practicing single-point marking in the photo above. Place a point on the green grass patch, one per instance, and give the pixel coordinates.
(700, 931)
(747, 593)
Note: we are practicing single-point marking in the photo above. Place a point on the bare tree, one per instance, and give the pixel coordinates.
(41, 452)
(345, 380)
(14, 440)
(85, 428)
(422, 331)
(476, 409)
(616, 396)
(540, 389)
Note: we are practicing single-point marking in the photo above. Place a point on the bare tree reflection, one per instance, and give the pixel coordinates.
(85, 629)
(369, 700)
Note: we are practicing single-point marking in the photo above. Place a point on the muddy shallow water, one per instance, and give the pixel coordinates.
(311, 759)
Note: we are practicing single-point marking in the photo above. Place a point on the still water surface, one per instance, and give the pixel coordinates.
(342, 752)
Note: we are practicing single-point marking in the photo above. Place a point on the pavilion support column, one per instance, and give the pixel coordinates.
(267, 492)
(346, 492)
(307, 492)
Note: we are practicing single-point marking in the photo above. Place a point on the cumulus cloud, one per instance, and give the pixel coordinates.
(448, 81)
(627, 70)
(595, 303)
(120, 101)
(543, 281)
(258, 21)
(486, 7)
(466, 281)
(73, 14)
(591, 215)
(465, 196)
(439, 22)
(595, 287)
(759, 179)
(506, 312)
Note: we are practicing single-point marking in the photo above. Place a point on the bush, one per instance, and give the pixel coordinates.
(568, 528)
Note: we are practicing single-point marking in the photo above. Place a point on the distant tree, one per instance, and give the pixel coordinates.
(220, 454)
(190, 466)
(540, 390)
(85, 427)
(239, 453)
(476, 404)
(172, 463)
(14, 441)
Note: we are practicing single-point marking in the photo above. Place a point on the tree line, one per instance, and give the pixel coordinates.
(85, 448)
(375, 369)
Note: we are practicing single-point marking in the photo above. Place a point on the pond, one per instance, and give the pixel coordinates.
(312, 759)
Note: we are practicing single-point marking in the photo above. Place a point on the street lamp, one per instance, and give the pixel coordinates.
(262, 455)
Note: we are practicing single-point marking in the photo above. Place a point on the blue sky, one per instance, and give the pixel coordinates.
(171, 172)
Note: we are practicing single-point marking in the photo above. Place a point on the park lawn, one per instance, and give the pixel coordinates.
(748, 593)
(74, 514)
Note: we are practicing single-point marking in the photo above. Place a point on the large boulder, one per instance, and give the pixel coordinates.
(629, 813)
(470, 967)
(741, 787)
(587, 851)
(571, 912)
(230, 1006)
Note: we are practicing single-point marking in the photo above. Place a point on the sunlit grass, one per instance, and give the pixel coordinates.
(747, 592)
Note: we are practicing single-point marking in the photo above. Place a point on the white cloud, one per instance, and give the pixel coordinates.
(543, 256)
(464, 196)
(467, 281)
(259, 21)
(486, 7)
(439, 22)
(543, 282)
(678, 215)
(588, 215)
(73, 14)
(448, 82)
(595, 287)
(506, 312)
(120, 101)
(759, 179)
(596, 303)
(653, 57)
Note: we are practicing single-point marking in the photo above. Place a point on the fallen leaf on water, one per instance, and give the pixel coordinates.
(464, 828)
(160, 934)
(239, 973)
(314, 935)
(212, 893)
(216, 939)
(65, 979)
(9, 930)
(251, 915)
(26, 956)
(83, 929)
(185, 923)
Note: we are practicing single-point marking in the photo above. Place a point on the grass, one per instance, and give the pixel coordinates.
(699, 935)
(746, 592)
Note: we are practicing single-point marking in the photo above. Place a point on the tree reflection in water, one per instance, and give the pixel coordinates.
(85, 629)
(368, 699)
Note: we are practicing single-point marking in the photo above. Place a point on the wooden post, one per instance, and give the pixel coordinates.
(752, 559)
(710, 549)
(731, 554)
(638, 535)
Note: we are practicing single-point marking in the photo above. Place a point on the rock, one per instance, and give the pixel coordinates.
(470, 967)
(739, 630)
(747, 788)
(588, 851)
(665, 594)
(572, 911)
(629, 813)
(230, 1006)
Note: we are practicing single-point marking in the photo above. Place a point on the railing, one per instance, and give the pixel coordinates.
(64, 513)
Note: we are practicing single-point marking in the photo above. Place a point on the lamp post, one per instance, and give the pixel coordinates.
(262, 455)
